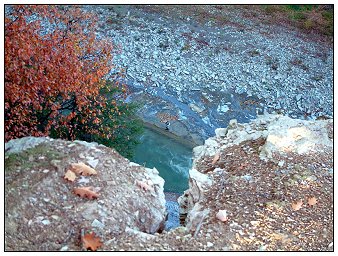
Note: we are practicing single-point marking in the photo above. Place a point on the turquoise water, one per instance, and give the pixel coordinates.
(170, 157)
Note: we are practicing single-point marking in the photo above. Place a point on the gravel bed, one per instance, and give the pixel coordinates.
(291, 74)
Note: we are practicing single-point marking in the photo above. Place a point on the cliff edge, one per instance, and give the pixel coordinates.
(43, 210)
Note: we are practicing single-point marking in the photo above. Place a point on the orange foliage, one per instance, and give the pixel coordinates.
(53, 78)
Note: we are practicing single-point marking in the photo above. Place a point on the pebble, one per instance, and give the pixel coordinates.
(281, 163)
(247, 177)
(254, 223)
(97, 224)
(83, 179)
(45, 222)
(262, 248)
(64, 248)
(209, 244)
(93, 163)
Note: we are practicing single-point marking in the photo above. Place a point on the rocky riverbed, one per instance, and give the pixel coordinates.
(198, 76)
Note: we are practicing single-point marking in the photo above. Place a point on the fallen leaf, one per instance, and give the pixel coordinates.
(297, 205)
(91, 241)
(222, 215)
(70, 176)
(216, 158)
(86, 192)
(312, 201)
(83, 169)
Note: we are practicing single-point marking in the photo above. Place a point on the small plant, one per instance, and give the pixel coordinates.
(309, 18)
(308, 24)
(270, 9)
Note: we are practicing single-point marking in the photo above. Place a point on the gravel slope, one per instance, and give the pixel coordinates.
(202, 64)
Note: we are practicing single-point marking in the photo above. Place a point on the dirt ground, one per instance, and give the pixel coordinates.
(261, 202)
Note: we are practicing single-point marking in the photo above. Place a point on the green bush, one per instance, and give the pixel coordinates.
(123, 125)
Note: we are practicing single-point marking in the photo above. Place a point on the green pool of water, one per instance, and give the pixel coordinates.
(170, 157)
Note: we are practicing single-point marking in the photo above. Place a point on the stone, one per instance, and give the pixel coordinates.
(209, 244)
(198, 151)
(221, 132)
(64, 248)
(223, 108)
(232, 124)
(93, 163)
(198, 182)
(21, 144)
(281, 163)
(178, 128)
(45, 222)
(87, 144)
(97, 224)
(295, 135)
(211, 143)
(113, 211)
(196, 108)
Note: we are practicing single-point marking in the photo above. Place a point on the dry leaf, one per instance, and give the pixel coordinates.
(222, 215)
(83, 169)
(86, 192)
(297, 205)
(312, 201)
(216, 158)
(70, 176)
(90, 241)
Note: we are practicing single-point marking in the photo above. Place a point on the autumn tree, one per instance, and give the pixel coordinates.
(57, 75)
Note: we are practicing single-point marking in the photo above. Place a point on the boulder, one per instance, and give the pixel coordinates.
(221, 132)
(298, 136)
(281, 134)
(42, 212)
(18, 145)
(198, 183)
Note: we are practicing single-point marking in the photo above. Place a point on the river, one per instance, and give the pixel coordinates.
(172, 159)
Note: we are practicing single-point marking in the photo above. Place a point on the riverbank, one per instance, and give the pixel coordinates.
(202, 75)
(167, 133)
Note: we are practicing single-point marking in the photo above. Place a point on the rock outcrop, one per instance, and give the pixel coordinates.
(43, 213)
(241, 157)
(272, 178)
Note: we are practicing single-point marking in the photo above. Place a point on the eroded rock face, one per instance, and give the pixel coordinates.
(294, 135)
(281, 135)
(43, 213)
(198, 182)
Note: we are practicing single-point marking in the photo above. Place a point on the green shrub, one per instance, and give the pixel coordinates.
(118, 119)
